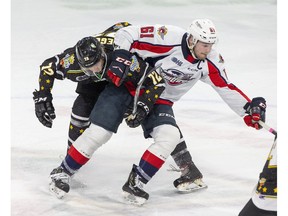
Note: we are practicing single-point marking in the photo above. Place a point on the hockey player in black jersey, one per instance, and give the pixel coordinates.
(264, 196)
(66, 65)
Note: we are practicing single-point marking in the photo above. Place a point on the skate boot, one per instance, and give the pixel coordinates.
(133, 189)
(59, 185)
(190, 179)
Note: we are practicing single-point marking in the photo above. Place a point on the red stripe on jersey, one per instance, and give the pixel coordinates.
(163, 101)
(151, 47)
(131, 88)
(77, 156)
(219, 81)
(190, 58)
(152, 159)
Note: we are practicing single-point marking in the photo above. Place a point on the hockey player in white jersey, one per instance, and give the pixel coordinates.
(88, 89)
(185, 57)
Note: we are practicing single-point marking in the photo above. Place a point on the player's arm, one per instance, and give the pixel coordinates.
(127, 68)
(253, 110)
(153, 86)
(50, 70)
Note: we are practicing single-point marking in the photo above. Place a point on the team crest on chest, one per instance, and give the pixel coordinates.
(175, 77)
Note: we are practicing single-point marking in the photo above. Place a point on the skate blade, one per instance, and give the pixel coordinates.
(60, 194)
(190, 187)
(134, 200)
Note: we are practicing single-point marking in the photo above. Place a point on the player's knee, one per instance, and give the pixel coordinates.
(98, 134)
(92, 139)
(166, 137)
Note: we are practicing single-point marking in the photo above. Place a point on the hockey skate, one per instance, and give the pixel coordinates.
(190, 179)
(59, 185)
(133, 189)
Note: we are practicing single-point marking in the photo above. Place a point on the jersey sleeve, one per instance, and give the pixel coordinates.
(47, 74)
(216, 77)
(60, 66)
(154, 85)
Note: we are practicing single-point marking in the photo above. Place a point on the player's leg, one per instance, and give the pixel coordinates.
(164, 131)
(105, 118)
(191, 177)
(88, 94)
(79, 121)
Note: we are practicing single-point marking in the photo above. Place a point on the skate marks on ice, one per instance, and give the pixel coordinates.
(97, 200)
(89, 195)
(82, 201)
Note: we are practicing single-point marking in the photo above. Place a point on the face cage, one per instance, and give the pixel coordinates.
(98, 75)
(90, 73)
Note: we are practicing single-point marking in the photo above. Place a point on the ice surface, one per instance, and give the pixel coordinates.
(229, 154)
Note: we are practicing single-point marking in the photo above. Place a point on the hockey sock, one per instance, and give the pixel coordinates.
(74, 160)
(148, 166)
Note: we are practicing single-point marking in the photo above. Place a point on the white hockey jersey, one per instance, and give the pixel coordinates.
(166, 45)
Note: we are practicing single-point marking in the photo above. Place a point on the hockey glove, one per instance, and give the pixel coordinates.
(135, 120)
(44, 109)
(256, 111)
(119, 67)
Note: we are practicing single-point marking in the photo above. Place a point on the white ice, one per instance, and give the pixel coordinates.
(229, 154)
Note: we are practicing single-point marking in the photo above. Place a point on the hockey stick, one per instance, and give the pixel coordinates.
(137, 92)
(139, 85)
(271, 130)
(268, 128)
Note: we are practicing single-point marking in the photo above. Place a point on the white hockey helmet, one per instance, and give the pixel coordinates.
(202, 30)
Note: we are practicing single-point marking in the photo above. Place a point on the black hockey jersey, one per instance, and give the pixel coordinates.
(65, 65)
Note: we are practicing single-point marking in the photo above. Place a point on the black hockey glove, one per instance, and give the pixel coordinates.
(256, 111)
(119, 67)
(44, 109)
(135, 120)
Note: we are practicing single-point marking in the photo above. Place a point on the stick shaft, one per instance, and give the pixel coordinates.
(139, 85)
(268, 128)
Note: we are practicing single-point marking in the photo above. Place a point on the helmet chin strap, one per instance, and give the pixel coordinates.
(105, 63)
(193, 54)
(191, 47)
(104, 56)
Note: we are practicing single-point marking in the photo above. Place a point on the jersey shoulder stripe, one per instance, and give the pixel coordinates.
(219, 81)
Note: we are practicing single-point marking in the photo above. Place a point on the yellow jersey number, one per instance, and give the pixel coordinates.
(106, 40)
(156, 78)
(48, 69)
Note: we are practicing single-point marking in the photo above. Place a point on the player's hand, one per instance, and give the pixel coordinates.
(135, 120)
(119, 67)
(256, 110)
(44, 109)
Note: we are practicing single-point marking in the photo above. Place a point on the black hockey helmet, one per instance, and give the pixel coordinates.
(89, 52)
